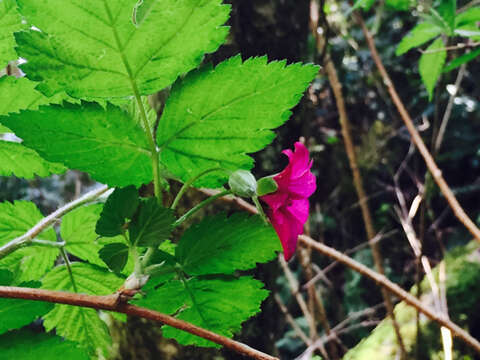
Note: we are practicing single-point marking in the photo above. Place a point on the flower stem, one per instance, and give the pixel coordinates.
(260, 209)
(199, 206)
(186, 185)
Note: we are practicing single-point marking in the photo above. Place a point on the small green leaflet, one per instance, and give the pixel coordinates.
(199, 131)
(10, 21)
(93, 48)
(75, 323)
(31, 262)
(152, 225)
(120, 205)
(25, 163)
(115, 255)
(106, 143)
(419, 35)
(469, 16)
(218, 305)
(221, 245)
(27, 345)
(455, 63)
(17, 313)
(431, 65)
(447, 10)
(78, 231)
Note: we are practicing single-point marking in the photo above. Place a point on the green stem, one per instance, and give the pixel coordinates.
(188, 184)
(48, 243)
(138, 98)
(260, 209)
(69, 268)
(199, 206)
(158, 269)
(138, 267)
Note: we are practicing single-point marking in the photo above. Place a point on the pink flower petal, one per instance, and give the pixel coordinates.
(287, 229)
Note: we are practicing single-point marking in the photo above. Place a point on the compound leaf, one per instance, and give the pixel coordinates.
(94, 48)
(120, 205)
(152, 224)
(431, 65)
(25, 163)
(31, 262)
(79, 324)
(106, 143)
(199, 131)
(10, 21)
(221, 245)
(419, 35)
(27, 345)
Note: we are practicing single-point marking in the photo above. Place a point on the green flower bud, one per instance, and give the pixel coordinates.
(243, 183)
(266, 185)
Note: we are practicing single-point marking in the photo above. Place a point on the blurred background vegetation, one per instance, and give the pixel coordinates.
(293, 317)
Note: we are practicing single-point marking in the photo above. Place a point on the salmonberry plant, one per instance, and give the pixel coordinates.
(82, 104)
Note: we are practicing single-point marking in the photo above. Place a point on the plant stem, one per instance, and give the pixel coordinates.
(199, 206)
(416, 138)
(47, 243)
(112, 303)
(260, 208)
(186, 185)
(69, 268)
(46, 222)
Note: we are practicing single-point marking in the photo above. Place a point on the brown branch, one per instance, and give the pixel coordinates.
(416, 138)
(112, 303)
(378, 278)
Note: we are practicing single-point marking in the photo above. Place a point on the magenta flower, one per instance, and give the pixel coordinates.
(289, 206)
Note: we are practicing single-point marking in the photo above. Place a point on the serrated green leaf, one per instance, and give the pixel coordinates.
(199, 131)
(469, 16)
(27, 345)
(29, 263)
(115, 255)
(21, 94)
(431, 65)
(105, 143)
(120, 205)
(167, 298)
(218, 305)
(6, 277)
(4, 129)
(93, 48)
(16, 313)
(10, 21)
(75, 323)
(78, 232)
(152, 225)
(419, 35)
(221, 245)
(465, 58)
(25, 163)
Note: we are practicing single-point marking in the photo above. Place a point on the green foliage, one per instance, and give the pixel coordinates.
(78, 231)
(115, 255)
(431, 64)
(469, 16)
(23, 162)
(106, 143)
(10, 21)
(17, 313)
(152, 224)
(27, 345)
(198, 131)
(419, 35)
(75, 323)
(29, 263)
(97, 51)
(120, 205)
(463, 59)
(221, 245)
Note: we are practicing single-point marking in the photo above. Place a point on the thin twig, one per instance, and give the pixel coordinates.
(112, 303)
(450, 48)
(46, 222)
(417, 139)
(296, 328)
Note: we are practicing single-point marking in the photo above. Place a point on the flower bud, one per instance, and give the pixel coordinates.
(266, 185)
(243, 183)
